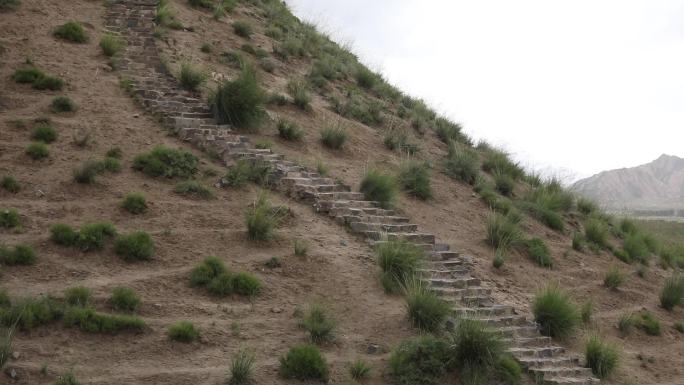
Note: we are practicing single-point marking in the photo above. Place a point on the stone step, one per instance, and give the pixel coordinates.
(541, 362)
(537, 352)
(458, 283)
(388, 228)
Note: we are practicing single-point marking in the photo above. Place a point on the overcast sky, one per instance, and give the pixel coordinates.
(572, 86)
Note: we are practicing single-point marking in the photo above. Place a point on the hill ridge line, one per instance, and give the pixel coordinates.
(447, 273)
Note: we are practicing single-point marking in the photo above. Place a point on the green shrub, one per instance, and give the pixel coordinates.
(462, 165)
(62, 104)
(426, 310)
(502, 231)
(539, 252)
(10, 184)
(399, 262)
(9, 218)
(193, 189)
(299, 91)
(240, 102)
(601, 357)
(44, 133)
(110, 44)
(191, 78)
(304, 362)
(334, 137)
(89, 320)
(246, 284)
(87, 172)
(475, 350)
(419, 361)
(626, 323)
(125, 299)
(63, 234)
(672, 293)
(554, 311)
(359, 370)
(37, 150)
(241, 368)
(8, 5)
(650, 324)
(166, 162)
(206, 271)
(78, 296)
(242, 29)
(183, 331)
(19, 255)
(134, 203)
(289, 130)
(379, 187)
(365, 77)
(92, 236)
(137, 246)
(72, 31)
(27, 75)
(262, 219)
(414, 178)
(614, 278)
(29, 313)
(48, 83)
(596, 232)
(318, 323)
(67, 379)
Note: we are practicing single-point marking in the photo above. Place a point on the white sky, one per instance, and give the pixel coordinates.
(570, 87)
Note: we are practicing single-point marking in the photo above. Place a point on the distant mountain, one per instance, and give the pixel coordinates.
(656, 186)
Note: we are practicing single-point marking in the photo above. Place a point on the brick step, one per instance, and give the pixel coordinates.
(495, 310)
(541, 362)
(457, 283)
(537, 352)
(362, 227)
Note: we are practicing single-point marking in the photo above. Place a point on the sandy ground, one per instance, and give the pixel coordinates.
(339, 270)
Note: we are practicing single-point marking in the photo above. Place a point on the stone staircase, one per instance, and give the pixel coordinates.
(445, 272)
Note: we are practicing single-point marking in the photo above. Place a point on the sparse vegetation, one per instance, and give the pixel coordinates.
(240, 102)
(190, 77)
(556, 314)
(183, 331)
(601, 357)
(241, 368)
(614, 278)
(193, 189)
(334, 137)
(37, 150)
(110, 44)
(125, 299)
(9, 218)
(414, 178)
(318, 323)
(71, 31)
(399, 262)
(134, 203)
(672, 292)
(289, 130)
(304, 362)
(426, 310)
(379, 187)
(10, 184)
(62, 104)
(136, 246)
(166, 162)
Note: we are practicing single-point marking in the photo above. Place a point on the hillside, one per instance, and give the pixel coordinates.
(655, 186)
(134, 102)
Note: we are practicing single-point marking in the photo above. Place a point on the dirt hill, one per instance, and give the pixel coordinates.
(658, 185)
(133, 102)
